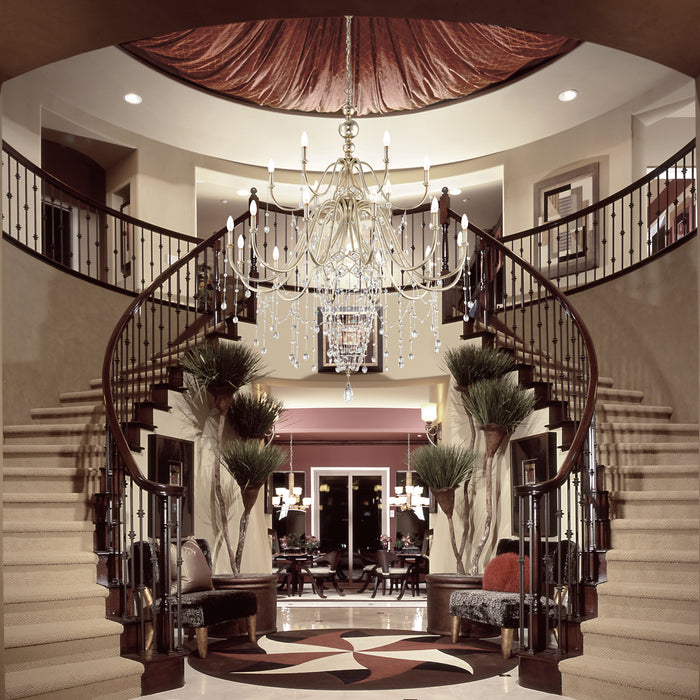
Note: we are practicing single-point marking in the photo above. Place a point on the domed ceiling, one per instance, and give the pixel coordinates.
(399, 65)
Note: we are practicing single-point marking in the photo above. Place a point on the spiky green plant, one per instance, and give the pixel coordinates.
(254, 416)
(443, 468)
(250, 463)
(469, 364)
(500, 402)
(222, 369)
(500, 405)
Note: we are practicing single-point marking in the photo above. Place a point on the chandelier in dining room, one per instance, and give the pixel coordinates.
(343, 259)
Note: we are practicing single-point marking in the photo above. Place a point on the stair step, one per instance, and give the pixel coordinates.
(79, 568)
(653, 566)
(609, 394)
(116, 679)
(654, 477)
(47, 506)
(27, 535)
(653, 504)
(24, 479)
(70, 609)
(638, 453)
(673, 643)
(86, 639)
(85, 456)
(655, 533)
(594, 678)
(627, 432)
(643, 601)
(72, 413)
(617, 412)
(93, 395)
(50, 592)
(56, 434)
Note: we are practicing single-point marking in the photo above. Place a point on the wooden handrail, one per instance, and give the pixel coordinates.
(637, 184)
(113, 424)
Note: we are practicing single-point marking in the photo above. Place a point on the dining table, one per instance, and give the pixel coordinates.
(297, 560)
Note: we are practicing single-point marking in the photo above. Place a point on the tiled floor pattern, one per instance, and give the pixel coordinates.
(370, 617)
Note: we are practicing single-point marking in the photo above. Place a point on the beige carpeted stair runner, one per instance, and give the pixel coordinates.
(58, 643)
(644, 643)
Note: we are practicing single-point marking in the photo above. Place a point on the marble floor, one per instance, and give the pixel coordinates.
(375, 616)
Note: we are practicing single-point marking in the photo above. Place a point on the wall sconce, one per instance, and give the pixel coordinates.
(428, 414)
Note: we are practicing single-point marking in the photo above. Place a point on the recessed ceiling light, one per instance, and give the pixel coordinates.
(454, 191)
(224, 201)
(242, 193)
(568, 95)
(133, 99)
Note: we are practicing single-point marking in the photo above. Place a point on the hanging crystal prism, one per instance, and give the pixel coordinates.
(348, 389)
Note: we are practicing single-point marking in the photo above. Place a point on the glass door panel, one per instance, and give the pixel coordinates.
(349, 514)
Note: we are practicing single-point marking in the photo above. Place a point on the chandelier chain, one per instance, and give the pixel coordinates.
(348, 67)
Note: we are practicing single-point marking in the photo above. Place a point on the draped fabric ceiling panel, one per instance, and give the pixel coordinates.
(299, 64)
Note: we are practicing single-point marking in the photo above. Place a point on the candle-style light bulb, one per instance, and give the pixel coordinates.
(464, 222)
(240, 242)
(426, 164)
(275, 253)
(229, 224)
(434, 206)
(387, 139)
(304, 140)
(271, 166)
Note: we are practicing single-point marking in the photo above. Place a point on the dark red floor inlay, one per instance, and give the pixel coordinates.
(352, 660)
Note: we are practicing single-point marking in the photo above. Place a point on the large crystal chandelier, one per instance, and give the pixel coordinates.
(345, 252)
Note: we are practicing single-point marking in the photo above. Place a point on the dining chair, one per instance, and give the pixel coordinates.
(321, 570)
(369, 565)
(387, 571)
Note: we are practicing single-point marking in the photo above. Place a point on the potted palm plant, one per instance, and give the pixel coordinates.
(250, 463)
(442, 469)
(469, 364)
(499, 405)
(222, 368)
(254, 416)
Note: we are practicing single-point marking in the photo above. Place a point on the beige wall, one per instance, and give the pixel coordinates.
(55, 331)
(645, 329)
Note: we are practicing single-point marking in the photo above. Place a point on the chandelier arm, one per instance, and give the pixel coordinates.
(271, 190)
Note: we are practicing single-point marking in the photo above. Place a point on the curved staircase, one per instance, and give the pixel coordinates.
(58, 643)
(644, 643)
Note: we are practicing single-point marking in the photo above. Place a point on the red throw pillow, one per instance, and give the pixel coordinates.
(503, 574)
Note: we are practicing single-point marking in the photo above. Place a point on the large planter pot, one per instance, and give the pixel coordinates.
(440, 587)
(265, 588)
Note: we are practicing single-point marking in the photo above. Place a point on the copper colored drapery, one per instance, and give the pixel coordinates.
(299, 64)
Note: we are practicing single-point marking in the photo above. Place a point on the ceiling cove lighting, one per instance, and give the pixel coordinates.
(132, 98)
(346, 254)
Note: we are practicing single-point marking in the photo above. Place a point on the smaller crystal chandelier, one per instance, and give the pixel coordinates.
(409, 497)
(290, 498)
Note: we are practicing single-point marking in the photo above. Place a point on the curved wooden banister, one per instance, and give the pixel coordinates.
(66, 189)
(630, 189)
(113, 423)
(589, 408)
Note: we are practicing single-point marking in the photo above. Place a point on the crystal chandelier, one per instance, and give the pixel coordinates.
(346, 252)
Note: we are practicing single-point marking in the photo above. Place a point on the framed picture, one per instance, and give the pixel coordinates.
(170, 461)
(532, 460)
(571, 247)
(351, 330)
